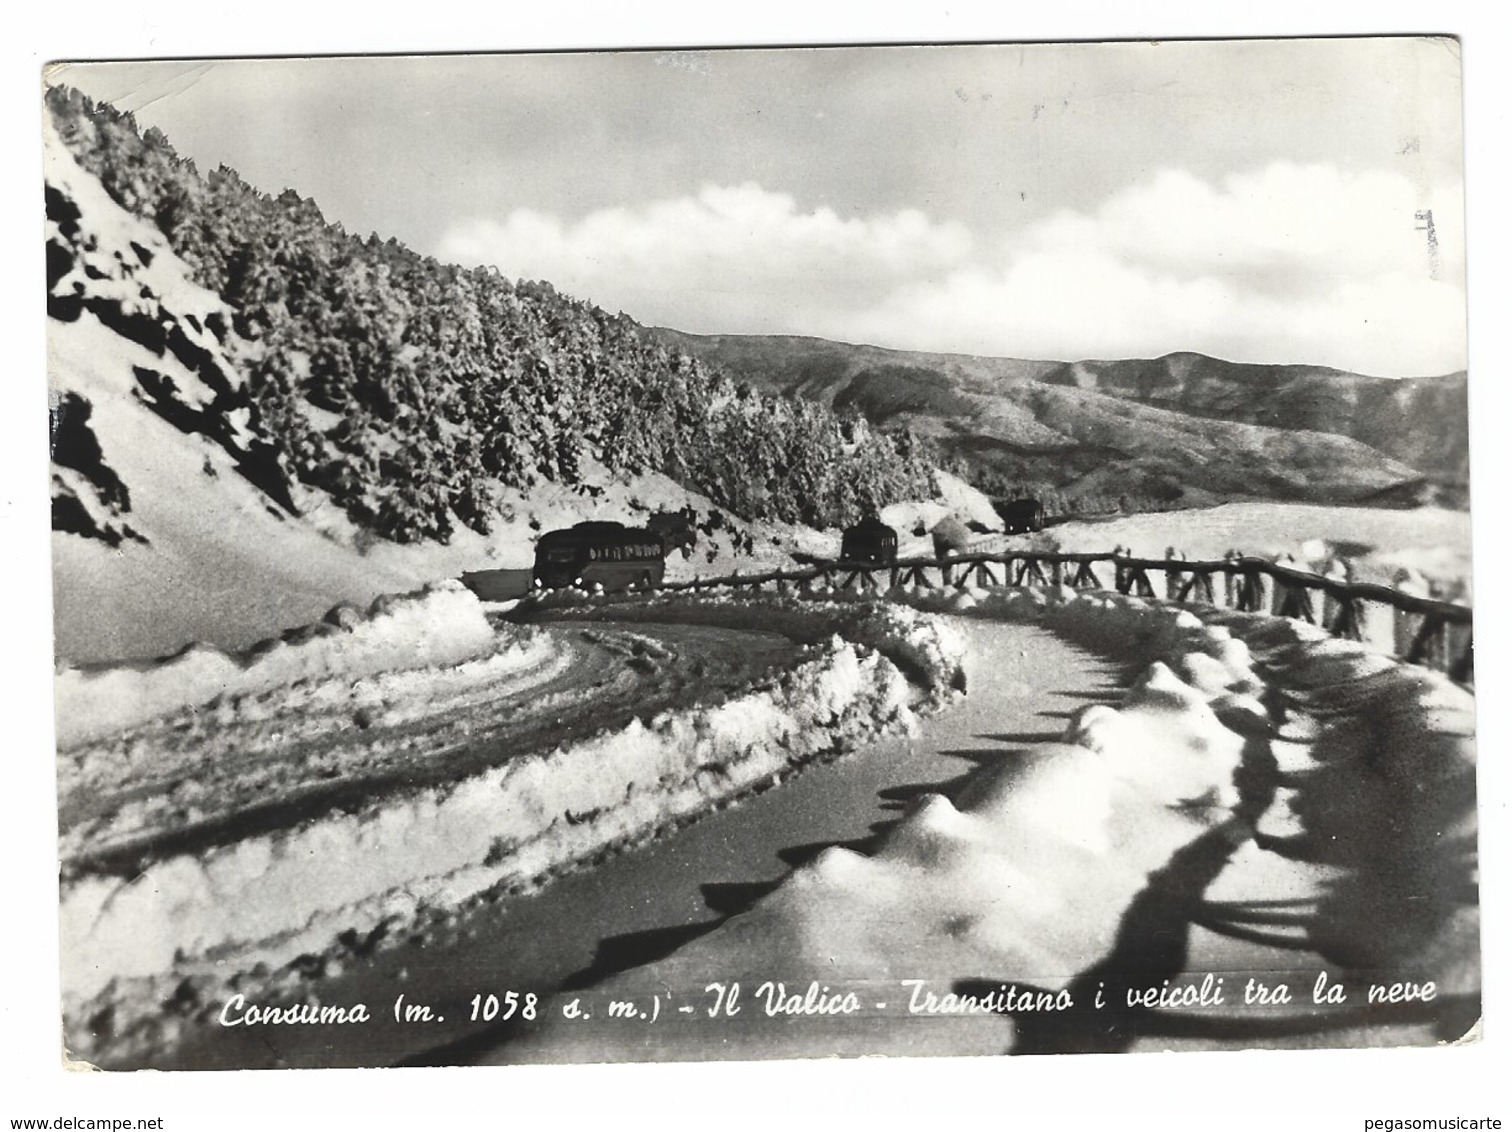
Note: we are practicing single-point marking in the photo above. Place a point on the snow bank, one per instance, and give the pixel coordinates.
(1026, 877)
(1168, 727)
(204, 771)
(956, 499)
(1399, 732)
(1022, 879)
(1377, 763)
(286, 892)
(1202, 654)
(926, 648)
(266, 900)
(441, 624)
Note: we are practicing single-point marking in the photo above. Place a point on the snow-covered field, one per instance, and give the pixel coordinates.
(1428, 547)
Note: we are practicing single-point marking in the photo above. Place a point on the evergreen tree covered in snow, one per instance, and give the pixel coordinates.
(412, 391)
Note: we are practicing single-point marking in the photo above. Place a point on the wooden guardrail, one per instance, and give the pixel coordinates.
(1425, 630)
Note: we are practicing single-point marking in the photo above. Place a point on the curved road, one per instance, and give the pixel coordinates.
(639, 905)
(210, 775)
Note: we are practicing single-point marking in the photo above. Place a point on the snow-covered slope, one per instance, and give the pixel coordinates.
(202, 541)
(176, 519)
(183, 527)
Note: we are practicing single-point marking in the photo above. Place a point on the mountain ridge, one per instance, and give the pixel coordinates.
(1051, 427)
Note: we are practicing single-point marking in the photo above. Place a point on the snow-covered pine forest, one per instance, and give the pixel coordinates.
(414, 392)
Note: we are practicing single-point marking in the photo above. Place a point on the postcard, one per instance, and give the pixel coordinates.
(752, 554)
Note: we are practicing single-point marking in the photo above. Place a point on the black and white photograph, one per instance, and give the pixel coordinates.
(761, 554)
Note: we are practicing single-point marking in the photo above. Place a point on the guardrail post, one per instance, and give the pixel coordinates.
(1340, 616)
(1294, 601)
(1405, 625)
(1428, 643)
(1463, 671)
(1347, 620)
(1249, 594)
(1086, 578)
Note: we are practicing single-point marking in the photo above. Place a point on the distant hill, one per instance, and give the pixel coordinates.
(1421, 421)
(1184, 429)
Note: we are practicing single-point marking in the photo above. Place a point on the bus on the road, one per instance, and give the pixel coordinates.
(598, 555)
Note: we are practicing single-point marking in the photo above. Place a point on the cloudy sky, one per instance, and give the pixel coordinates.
(1260, 201)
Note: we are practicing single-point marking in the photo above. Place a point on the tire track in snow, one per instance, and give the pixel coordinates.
(239, 767)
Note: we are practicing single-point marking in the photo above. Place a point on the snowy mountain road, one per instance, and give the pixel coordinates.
(636, 906)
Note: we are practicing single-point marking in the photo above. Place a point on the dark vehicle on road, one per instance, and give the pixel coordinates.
(1020, 515)
(603, 555)
(870, 540)
(676, 529)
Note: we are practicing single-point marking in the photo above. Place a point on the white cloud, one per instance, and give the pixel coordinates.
(730, 258)
(1309, 222)
(1091, 305)
(1288, 264)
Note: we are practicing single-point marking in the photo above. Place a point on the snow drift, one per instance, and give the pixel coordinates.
(439, 625)
(1022, 879)
(261, 902)
(923, 646)
(1025, 879)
